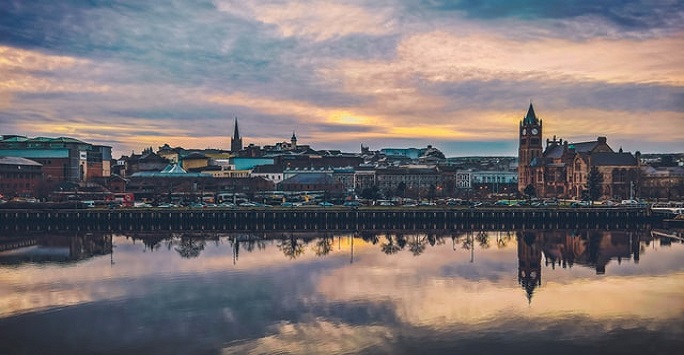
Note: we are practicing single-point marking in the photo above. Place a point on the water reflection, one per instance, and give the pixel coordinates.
(354, 292)
(53, 248)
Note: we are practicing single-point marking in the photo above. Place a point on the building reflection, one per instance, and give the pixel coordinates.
(594, 249)
(53, 248)
(529, 262)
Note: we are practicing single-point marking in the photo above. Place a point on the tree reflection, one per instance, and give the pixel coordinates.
(483, 240)
(153, 242)
(369, 237)
(390, 246)
(253, 243)
(323, 246)
(502, 241)
(417, 244)
(291, 247)
(188, 247)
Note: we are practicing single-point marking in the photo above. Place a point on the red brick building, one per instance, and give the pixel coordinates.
(19, 177)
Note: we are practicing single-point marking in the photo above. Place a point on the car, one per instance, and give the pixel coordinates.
(576, 204)
(326, 204)
(226, 205)
(633, 203)
(456, 202)
(248, 204)
(352, 204)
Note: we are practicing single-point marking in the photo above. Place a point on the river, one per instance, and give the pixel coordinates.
(590, 291)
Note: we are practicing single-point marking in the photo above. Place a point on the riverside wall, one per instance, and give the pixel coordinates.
(314, 219)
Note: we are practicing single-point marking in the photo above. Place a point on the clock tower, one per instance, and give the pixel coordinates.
(529, 147)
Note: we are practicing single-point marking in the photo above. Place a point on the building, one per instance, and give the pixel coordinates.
(665, 182)
(64, 159)
(530, 147)
(415, 181)
(195, 161)
(19, 176)
(312, 182)
(494, 181)
(562, 169)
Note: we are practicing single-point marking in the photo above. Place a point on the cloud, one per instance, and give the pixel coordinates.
(317, 20)
(629, 14)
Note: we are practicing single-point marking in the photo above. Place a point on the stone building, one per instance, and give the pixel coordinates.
(562, 168)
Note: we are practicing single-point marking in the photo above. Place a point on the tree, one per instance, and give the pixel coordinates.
(401, 189)
(431, 191)
(594, 184)
(530, 191)
(371, 193)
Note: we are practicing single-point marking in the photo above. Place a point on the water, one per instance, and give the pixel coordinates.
(487, 292)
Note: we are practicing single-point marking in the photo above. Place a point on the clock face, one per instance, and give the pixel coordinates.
(524, 131)
(534, 131)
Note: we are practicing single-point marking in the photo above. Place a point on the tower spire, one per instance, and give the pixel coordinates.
(531, 117)
(236, 141)
(236, 132)
(293, 140)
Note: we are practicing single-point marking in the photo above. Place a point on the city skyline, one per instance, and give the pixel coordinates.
(455, 75)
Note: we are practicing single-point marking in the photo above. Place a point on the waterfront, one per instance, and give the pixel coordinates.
(590, 290)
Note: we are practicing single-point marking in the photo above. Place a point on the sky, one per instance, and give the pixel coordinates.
(458, 75)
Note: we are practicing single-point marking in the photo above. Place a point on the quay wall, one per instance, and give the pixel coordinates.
(312, 219)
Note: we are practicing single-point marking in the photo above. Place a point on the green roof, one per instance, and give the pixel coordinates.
(15, 139)
(56, 140)
(36, 153)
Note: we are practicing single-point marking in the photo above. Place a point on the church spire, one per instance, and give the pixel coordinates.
(236, 141)
(531, 117)
(236, 132)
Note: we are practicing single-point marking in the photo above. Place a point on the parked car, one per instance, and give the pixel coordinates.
(580, 204)
(166, 205)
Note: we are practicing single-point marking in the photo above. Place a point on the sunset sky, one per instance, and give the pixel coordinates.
(383, 73)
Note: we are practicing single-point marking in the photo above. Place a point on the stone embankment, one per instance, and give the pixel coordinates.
(302, 219)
